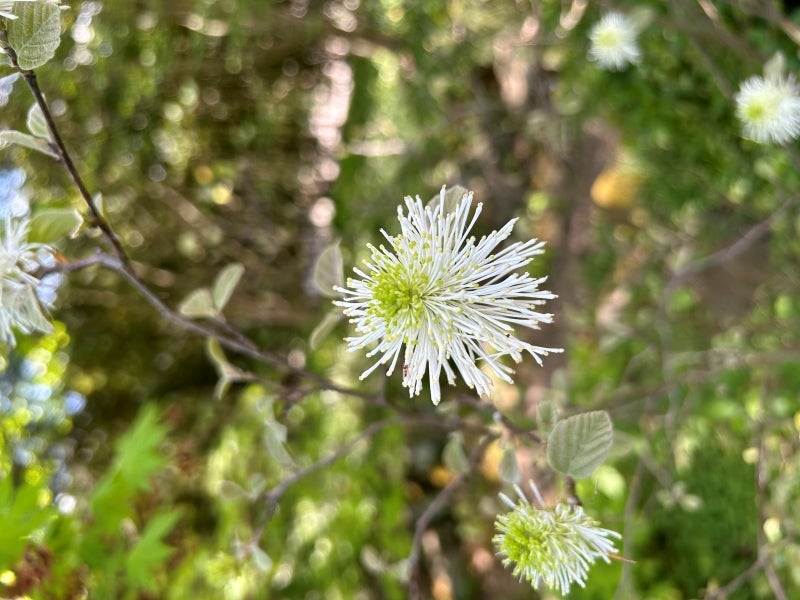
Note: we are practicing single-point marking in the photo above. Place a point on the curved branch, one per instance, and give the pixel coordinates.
(63, 157)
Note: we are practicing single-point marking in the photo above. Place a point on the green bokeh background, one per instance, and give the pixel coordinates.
(259, 132)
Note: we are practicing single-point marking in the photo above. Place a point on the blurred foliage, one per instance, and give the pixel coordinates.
(252, 132)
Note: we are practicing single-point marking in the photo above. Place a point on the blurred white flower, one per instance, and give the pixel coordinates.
(21, 306)
(613, 42)
(445, 296)
(555, 546)
(769, 109)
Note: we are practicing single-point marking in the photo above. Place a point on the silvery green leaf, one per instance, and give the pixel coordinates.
(225, 283)
(261, 559)
(36, 123)
(198, 304)
(329, 270)
(275, 441)
(54, 224)
(546, 416)
(35, 33)
(454, 457)
(775, 67)
(580, 444)
(321, 331)
(11, 136)
(509, 467)
(452, 198)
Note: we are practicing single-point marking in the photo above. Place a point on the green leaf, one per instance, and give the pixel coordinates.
(509, 467)
(775, 67)
(225, 284)
(198, 304)
(452, 198)
(227, 372)
(261, 559)
(22, 512)
(275, 441)
(54, 224)
(546, 416)
(454, 456)
(329, 271)
(37, 124)
(11, 136)
(580, 444)
(274, 435)
(35, 33)
(324, 328)
(150, 551)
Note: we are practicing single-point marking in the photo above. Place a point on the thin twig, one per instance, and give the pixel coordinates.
(63, 156)
(444, 495)
(762, 481)
(271, 499)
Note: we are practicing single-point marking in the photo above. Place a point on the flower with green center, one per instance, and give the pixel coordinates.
(20, 299)
(613, 42)
(439, 295)
(554, 546)
(769, 109)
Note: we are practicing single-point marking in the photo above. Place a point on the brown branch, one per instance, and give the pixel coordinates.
(444, 495)
(63, 156)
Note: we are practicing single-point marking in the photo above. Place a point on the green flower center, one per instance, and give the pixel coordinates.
(525, 537)
(757, 111)
(399, 293)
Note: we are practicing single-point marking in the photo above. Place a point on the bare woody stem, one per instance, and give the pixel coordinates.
(63, 156)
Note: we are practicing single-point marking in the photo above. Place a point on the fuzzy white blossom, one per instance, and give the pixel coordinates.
(22, 291)
(613, 42)
(552, 546)
(769, 109)
(437, 295)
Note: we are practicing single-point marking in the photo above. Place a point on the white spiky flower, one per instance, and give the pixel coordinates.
(445, 296)
(769, 109)
(20, 300)
(613, 42)
(555, 546)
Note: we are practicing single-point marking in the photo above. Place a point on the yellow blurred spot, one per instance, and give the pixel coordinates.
(395, 14)
(772, 529)
(490, 465)
(750, 456)
(8, 578)
(221, 194)
(442, 588)
(616, 188)
(45, 497)
(797, 421)
(441, 476)
(32, 476)
(203, 174)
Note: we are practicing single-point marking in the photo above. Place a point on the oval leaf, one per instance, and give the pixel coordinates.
(324, 329)
(580, 444)
(329, 271)
(10, 136)
(225, 283)
(37, 124)
(546, 416)
(198, 304)
(53, 225)
(452, 198)
(509, 467)
(453, 456)
(35, 33)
